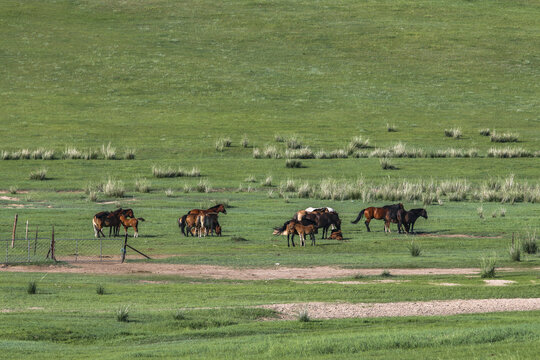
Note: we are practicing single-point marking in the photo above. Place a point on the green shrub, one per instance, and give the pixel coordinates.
(487, 267)
(100, 290)
(529, 244)
(122, 314)
(31, 288)
(40, 174)
(414, 249)
(303, 316)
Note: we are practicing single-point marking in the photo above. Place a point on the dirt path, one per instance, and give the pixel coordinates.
(222, 272)
(319, 310)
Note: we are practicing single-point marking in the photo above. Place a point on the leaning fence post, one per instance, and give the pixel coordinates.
(14, 228)
(27, 240)
(51, 249)
(124, 248)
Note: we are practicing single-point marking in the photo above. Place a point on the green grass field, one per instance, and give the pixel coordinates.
(166, 80)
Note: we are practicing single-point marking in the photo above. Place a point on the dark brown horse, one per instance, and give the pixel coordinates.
(110, 220)
(408, 218)
(217, 209)
(324, 221)
(379, 213)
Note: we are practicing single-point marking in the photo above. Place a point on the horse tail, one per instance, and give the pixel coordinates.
(95, 226)
(359, 216)
(141, 219)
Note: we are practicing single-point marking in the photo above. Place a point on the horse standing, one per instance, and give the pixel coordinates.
(379, 213)
(132, 222)
(408, 218)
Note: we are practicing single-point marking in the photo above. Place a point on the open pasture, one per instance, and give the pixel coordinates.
(167, 106)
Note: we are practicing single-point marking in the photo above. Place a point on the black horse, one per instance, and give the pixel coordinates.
(408, 218)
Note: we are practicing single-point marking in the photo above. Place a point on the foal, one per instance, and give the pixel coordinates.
(302, 230)
(133, 222)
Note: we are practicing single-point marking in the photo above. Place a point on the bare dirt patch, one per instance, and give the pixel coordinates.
(445, 284)
(9, 198)
(320, 310)
(222, 272)
(499, 282)
(385, 281)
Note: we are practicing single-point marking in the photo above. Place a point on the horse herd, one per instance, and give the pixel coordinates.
(204, 222)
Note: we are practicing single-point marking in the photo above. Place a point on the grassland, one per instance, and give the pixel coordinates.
(161, 83)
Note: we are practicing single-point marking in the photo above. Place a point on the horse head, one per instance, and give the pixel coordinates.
(128, 213)
(424, 213)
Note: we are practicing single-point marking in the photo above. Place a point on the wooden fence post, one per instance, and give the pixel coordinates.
(14, 228)
(124, 248)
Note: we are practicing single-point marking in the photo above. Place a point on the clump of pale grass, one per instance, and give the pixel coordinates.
(169, 193)
(267, 181)
(25, 154)
(223, 143)
(142, 185)
(304, 190)
(453, 133)
(114, 188)
(515, 250)
(509, 152)
(339, 154)
(92, 196)
(301, 153)
(122, 314)
(169, 172)
(250, 179)
(129, 154)
(504, 137)
(203, 186)
(13, 189)
(480, 211)
(487, 267)
(108, 152)
(303, 316)
(485, 132)
(40, 174)
(357, 143)
(288, 186)
(293, 142)
(279, 138)
(386, 164)
(529, 244)
(245, 141)
(271, 152)
(290, 163)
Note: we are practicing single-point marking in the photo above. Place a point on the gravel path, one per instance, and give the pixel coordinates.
(320, 310)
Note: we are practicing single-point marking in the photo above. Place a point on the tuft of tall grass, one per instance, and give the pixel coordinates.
(271, 152)
(100, 289)
(169, 193)
(339, 154)
(357, 143)
(480, 211)
(129, 154)
(290, 163)
(48, 155)
(245, 141)
(504, 137)
(515, 250)
(485, 132)
(71, 153)
(40, 174)
(31, 288)
(279, 138)
(25, 154)
(529, 244)
(114, 188)
(303, 316)
(250, 179)
(301, 153)
(509, 152)
(179, 315)
(386, 164)
(169, 172)
(293, 142)
(92, 196)
(386, 273)
(304, 190)
(453, 133)
(223, 143)
(288, 186)
(203, 186)
(122, 314)
(267, 181)
(142, 185)
(414, 249)
(108, 152)
(487, 267)
(13, 189)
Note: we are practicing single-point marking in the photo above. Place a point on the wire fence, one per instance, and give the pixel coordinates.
(29, 250)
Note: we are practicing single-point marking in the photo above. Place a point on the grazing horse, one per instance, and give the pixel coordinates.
(325, 220)
(131, 222)
(378, 213)
(283, 231)
(408, 218)
(302, 230)
(105, 219)
(301, 213)
(207, 223)
(214, 209)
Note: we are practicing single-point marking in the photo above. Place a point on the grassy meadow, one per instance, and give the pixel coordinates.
(97, 97)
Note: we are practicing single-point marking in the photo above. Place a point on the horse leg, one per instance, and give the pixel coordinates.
(288, 244)
(136, 230)
(292, 239)
(312, 239)
(367, 225)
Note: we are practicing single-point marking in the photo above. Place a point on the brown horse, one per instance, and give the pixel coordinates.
(132, 222)
(207, 223)
(408, 218)
(217, 209)
(302, 230)
(379, 213)
(324, 221)
(108, 219)
(188, 224)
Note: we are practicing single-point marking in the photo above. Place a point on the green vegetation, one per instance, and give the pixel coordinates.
(231, 90)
